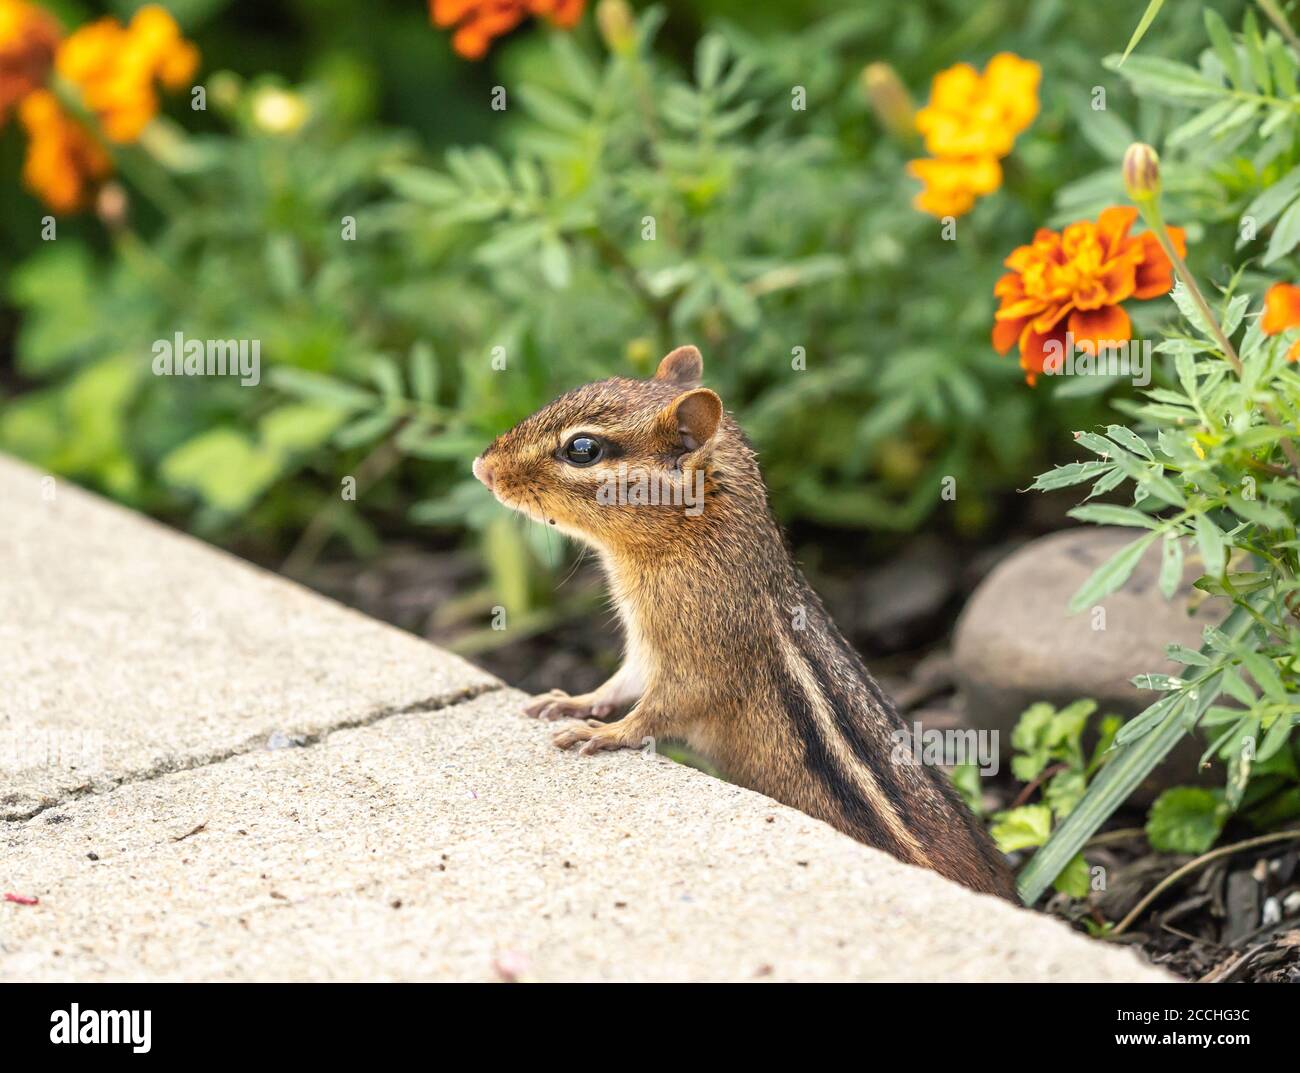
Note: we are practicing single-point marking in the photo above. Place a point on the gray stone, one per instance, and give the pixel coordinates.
(1016, 643)
(461, 845)
(289, 791)
(127, 649)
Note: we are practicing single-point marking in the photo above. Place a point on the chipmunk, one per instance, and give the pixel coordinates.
(726, 645)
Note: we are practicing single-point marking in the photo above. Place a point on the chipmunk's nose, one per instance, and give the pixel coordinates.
(483, 471)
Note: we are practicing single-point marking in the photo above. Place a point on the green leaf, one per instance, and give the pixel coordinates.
(1123, 772)
(1144, 24)
(1256, 56)
(1022, 828)
(1285, 235)
(1273, 199)
(1111, 574)
(1186, 656)
(224, 467)
(1126, 437)
(709, 57)
(966, 777)
(555, 263)
(1064, 791)
(1069, 474)
(1186, 819)
(552, 110)
(1264, 672)
(1110, 514)
(424, 373)
(386, 375)
(1107, 133)
(1253, 510)
(284, 266)
(1171, 566)
(1221, 39)
(364, 430)
(1209, 538)
(1201, 123)
(508, 559)
(317, 386)
(1075, 878)
(1166, 79)
(299, 426)
(1276, 736)
(423, 185)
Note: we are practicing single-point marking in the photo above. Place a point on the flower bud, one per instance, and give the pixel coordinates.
(889, 99)
(112, 205)
(278, 111)
(1141, 172)
(617, 25)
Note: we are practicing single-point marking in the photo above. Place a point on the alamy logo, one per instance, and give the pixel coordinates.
(179, 356)
(1108, 357)
(917, 746)
(102, 1026)
(646, 488)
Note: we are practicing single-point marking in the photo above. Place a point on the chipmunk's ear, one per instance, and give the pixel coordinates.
(695, 416)
(682, 366)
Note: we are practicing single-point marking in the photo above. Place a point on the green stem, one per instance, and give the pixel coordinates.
(1275, 16)
(1150, 209)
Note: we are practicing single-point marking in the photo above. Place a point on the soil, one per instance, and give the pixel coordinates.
(1235, 918)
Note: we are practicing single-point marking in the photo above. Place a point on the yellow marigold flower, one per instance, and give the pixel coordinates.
(115, 67)
(970, 123)
(63, 159)
(970, 114)
(28, 38)
(953, 183)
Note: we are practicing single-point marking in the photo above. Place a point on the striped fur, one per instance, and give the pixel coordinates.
(728, 647)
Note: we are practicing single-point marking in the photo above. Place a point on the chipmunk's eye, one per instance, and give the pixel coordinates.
(582, 450)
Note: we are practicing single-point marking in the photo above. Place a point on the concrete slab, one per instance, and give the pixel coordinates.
(460, 845)
(128, 649)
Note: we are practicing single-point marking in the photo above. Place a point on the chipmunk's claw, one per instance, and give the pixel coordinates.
(538, 706)
(594, 737)
(557, 704)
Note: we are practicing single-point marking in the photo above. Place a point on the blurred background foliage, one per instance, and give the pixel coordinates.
(777, 232)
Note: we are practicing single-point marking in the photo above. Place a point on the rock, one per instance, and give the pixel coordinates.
(416, 782)
(1016, 643)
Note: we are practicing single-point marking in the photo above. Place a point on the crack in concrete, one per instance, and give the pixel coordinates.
(193, 761)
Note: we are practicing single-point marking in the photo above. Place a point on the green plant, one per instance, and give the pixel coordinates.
(1210, 462)
(784, 243)
(1050, 758)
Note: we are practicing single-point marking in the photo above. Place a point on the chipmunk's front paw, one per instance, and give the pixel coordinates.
(594, 736)
(557, 704)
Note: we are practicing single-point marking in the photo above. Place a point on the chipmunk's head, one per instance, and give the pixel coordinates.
(616, 462)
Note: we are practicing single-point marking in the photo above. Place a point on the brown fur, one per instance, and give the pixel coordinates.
(728, 648)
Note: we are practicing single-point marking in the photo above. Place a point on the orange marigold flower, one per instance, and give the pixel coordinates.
(477, 22)
(28, 38)
(1281, 309)
(63, 159)
(1075, 281)
(971, 122)
(115, 67)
